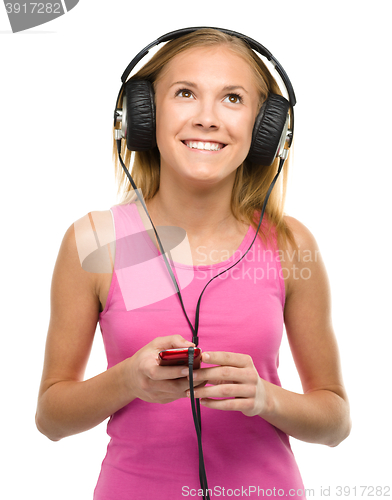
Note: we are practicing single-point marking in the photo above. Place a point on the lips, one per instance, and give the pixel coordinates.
(204, 145)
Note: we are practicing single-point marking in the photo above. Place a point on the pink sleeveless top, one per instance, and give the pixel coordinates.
(152, 451)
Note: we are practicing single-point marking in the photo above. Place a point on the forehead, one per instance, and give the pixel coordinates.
(215, 63)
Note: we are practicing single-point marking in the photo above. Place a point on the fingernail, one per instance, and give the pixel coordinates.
(206, 356)
(185, 371)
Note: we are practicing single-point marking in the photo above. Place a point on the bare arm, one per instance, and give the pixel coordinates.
(321, 414)
(67, 404)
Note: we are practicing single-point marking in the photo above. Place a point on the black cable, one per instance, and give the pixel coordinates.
(197, 422)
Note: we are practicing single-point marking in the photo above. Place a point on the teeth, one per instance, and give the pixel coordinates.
(209, 146)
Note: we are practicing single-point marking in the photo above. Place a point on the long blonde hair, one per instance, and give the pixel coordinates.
(251, 181)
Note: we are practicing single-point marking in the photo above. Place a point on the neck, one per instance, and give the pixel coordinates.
(201, 212)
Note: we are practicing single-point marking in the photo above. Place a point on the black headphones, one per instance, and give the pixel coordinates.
(271, 130)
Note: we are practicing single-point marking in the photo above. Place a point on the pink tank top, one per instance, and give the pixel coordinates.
(152, 452)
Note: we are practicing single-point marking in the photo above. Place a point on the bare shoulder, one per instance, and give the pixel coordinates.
(86, 253)
(79, 242)
(95, 241)
(302, 234)
(301, 266)
(100, 222)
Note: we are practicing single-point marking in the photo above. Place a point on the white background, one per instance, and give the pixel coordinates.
(58, 87)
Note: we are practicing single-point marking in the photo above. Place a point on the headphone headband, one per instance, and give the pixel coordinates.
(173, 35)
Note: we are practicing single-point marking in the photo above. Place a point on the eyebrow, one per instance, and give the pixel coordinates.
(227, 88)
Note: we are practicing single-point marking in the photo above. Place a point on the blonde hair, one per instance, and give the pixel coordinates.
(251, 181)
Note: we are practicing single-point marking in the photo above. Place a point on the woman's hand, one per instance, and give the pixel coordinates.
(235, 379)
(148, 381)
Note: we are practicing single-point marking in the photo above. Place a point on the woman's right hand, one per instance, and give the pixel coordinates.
(148, 381)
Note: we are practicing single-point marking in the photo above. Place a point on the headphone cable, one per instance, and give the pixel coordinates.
(197, 422)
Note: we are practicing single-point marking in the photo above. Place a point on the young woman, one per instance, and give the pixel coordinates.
(208, 89)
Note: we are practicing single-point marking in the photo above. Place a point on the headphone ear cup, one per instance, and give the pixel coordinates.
(268, 130)
(140, 115)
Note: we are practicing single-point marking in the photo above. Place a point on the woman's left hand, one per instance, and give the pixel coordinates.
(235, 379)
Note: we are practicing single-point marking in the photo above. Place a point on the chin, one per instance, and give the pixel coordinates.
(207, 179)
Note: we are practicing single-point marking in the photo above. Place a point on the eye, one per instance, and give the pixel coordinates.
(233, 99)
(184, 93)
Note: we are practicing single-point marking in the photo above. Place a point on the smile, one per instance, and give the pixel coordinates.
(204, 146)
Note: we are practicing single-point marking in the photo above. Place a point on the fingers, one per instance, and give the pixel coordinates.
(223, 375)
(227, 359)
(225, 391)
(150, 382)
(166, 372)
(229, 368)
(165, 390)
(170, 342)
(245, 405)
(230, 397)
(175, 388)
(151, 366)
(236, 385)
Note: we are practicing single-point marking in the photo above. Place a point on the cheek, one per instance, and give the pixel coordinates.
(240, 126)
(168, 124)
(246, 128)
(161, 125)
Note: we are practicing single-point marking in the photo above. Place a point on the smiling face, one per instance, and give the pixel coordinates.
(206, 105)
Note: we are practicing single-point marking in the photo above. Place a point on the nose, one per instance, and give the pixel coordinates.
(206, 115)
